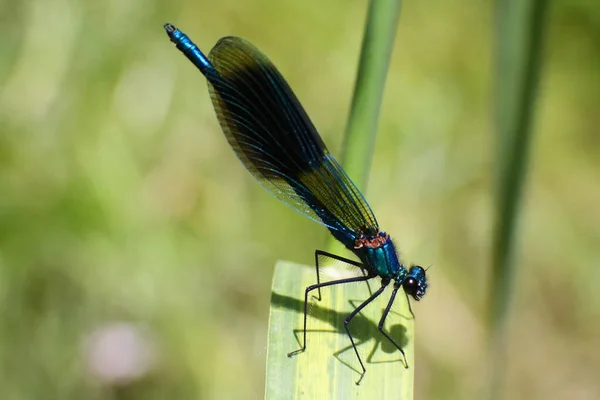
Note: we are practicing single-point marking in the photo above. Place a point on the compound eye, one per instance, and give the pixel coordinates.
(415, 283)
(411, 286)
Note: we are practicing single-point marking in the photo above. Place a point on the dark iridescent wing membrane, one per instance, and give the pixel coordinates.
(272, 135)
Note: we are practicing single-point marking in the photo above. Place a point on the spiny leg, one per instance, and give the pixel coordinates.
(352, 315)
(365, 273)
(409, 305)
(318, 286)
(382, 321)
(342, 259)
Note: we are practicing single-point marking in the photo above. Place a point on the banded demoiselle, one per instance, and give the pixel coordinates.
(274, 138)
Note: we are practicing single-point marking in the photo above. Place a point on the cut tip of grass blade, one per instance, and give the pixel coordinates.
(328, 368)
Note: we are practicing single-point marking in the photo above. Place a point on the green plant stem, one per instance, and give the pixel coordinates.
(518, 45)
(361, 129)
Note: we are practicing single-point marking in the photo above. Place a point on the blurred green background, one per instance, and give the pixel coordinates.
(136, 254)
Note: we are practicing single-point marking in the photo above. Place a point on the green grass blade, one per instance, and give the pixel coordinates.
(518, 43)
(361, 129)
(320, 372)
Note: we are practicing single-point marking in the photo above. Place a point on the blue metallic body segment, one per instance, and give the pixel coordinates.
(274, 138)
(383, 260)
(187, 47)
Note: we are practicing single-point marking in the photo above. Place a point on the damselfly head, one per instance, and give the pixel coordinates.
(415, 283)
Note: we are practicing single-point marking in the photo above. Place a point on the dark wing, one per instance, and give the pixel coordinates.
(272, 135)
